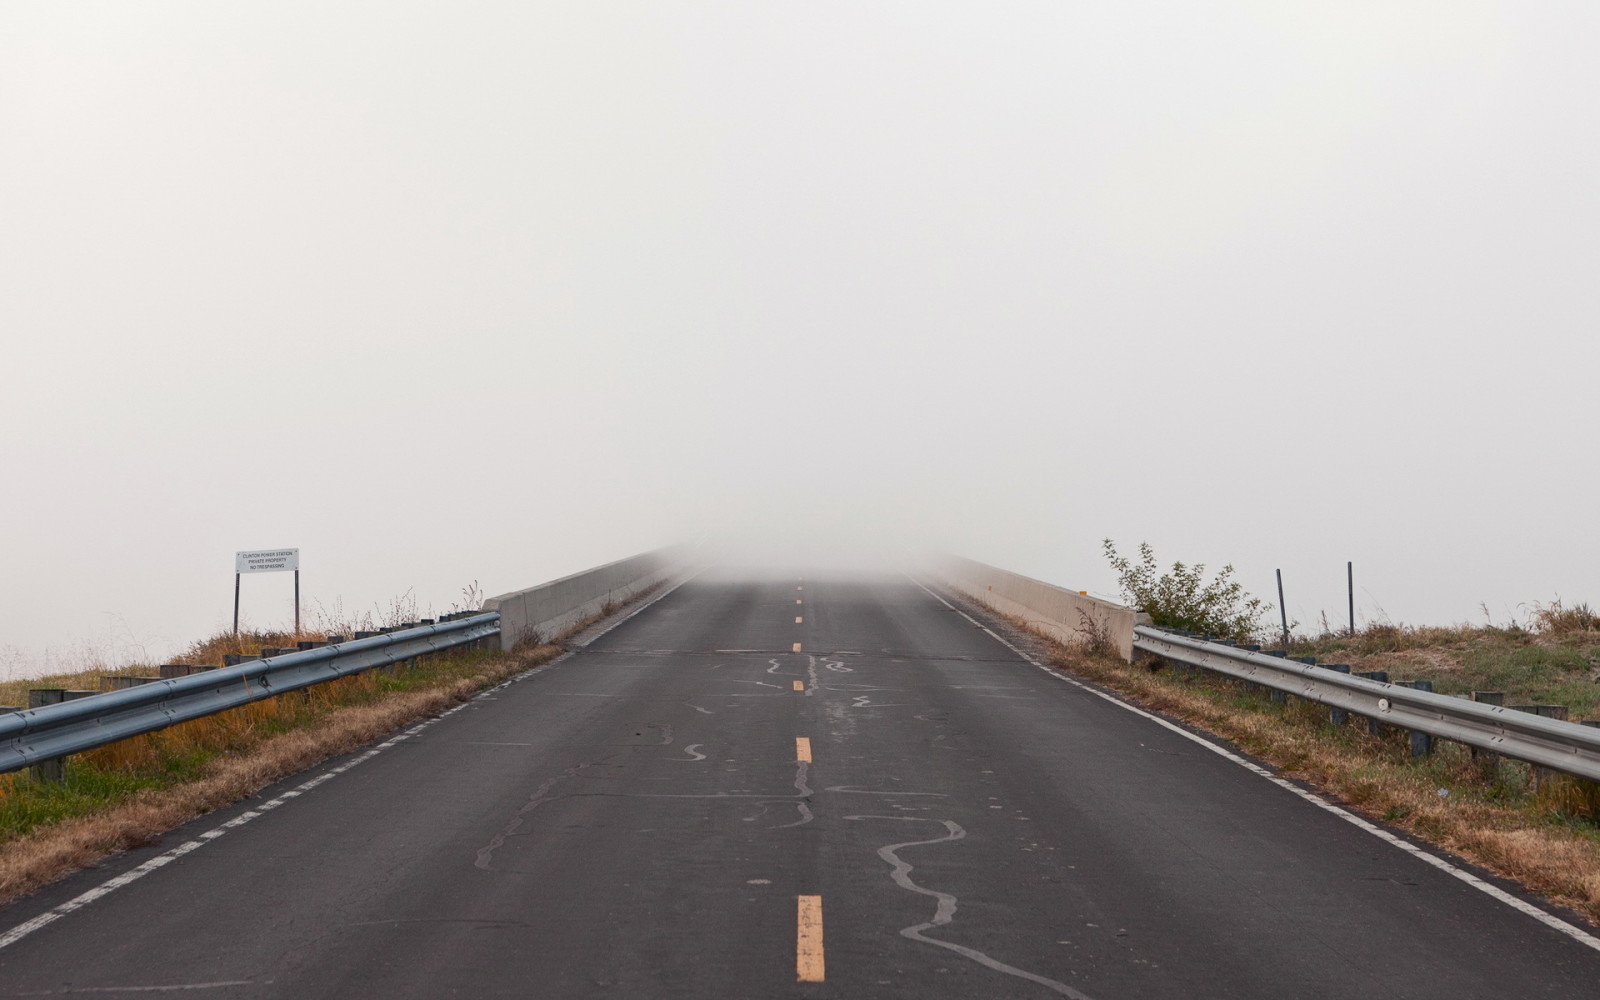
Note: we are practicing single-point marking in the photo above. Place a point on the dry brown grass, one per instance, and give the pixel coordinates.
(46, 854)
(214, 648)
(209, 650)
(1557, 619)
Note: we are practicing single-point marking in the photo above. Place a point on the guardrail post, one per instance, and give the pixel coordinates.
(1374, 727)
(1421, 743)
(1541, 774)
(122, 683)
(55, 768)
(1488, 761)
(1249, 647)
(1337, 716)
(1279, 697)
(170, 670)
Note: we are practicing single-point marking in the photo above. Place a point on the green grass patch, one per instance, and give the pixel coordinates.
(29, 804)
(1529, 668)
(117, 773)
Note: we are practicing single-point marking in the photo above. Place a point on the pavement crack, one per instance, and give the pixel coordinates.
(945, 903)
(220, 984)
(474, 921)
(766, 807)
(852, 790)
(805, 817)
(540, 795)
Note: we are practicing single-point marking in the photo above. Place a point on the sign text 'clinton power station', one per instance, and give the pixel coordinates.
(267, 561)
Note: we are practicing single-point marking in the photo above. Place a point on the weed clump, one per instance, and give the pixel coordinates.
(1182, 598)
(1556, 619)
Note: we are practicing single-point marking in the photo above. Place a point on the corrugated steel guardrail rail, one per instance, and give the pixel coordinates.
(1552, 743)
(53, 731)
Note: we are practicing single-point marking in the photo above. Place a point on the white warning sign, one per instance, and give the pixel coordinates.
(266, 561)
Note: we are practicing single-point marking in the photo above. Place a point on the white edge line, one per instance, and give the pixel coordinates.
(1523, 906)
(653, 599)
(132, 875)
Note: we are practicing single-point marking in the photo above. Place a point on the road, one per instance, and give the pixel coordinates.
(786, 788)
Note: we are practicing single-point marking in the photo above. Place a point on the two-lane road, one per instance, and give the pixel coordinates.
(807, 788)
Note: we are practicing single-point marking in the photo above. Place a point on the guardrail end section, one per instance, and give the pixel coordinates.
(52, 770)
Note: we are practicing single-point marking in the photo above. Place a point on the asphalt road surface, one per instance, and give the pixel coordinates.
(784, 788)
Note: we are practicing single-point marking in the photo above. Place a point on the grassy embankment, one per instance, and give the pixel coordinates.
(123, 795)
(1494, 812)
(1554, 659)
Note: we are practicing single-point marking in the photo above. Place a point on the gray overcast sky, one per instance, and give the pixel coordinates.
(497, 291)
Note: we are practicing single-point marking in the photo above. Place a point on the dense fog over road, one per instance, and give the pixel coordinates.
(492, 291)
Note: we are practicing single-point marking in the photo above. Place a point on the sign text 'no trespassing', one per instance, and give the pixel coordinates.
(267, 561)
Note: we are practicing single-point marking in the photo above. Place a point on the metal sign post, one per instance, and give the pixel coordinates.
(1283, 609)
(1350, 580)
(266, 561)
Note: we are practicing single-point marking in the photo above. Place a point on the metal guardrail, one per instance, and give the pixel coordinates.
(1552, 743)
(37, 735)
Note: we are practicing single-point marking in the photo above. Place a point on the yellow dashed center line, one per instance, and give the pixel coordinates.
(802, 748)
(797, 600)
(799, 685)
(797, 647)
(798, 619)
(808, 964)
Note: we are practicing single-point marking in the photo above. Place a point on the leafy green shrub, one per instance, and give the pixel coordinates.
(1182, 598)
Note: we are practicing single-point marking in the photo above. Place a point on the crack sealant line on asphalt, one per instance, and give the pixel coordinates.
(78, 902)
(1521, 905)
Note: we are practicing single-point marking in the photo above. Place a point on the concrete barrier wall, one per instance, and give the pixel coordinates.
(542, 613)
(1064, 615)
